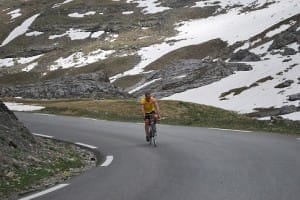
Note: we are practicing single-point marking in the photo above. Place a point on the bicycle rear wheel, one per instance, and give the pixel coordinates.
(150, 136)
(154, 135)
(154, 140)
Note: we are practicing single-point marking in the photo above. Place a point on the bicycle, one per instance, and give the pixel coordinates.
(152, 130)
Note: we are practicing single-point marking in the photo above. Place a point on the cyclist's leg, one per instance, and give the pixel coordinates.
(147, 128)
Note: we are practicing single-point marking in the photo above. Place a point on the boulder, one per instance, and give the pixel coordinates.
(294, 97)
(244, 55)
(288, 51)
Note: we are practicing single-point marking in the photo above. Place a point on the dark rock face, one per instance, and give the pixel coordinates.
(94, 85)
(11, 130)
(288, 51)
(275, 111)
(294, 97)
(244, 55)
(14, 137)
(285, 84)
(187, 74)
(285, 38)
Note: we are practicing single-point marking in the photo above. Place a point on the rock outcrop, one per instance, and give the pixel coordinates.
(244, 55)
(274, 111)
(91, 85)
(14, 138)
(185, 74)
(285, 38)
(294, 97)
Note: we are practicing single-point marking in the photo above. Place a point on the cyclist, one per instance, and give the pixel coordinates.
(149, 106)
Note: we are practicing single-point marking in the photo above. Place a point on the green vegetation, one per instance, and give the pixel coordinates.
(19, 78)
(35, 175)
(50, 163)
(173, 112)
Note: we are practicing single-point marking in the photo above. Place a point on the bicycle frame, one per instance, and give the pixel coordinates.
(152, 130)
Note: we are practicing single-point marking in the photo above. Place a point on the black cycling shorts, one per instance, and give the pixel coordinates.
(147, 115)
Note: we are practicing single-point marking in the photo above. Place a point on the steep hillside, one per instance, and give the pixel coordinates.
(30, 163)
(178, 49)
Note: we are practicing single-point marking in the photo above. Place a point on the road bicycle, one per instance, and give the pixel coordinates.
(152, 130)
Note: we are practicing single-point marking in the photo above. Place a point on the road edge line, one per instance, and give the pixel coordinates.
(42, 135)
(234, 130)
(86, 145)
(108, 161)
(57, 187)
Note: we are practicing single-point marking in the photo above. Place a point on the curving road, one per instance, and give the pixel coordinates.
(189, 163)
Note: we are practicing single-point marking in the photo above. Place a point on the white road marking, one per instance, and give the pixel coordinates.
(44, 114)
(222, 129)
(89, 118)
(107, 162)
(298, 138)
(44, 192)
(41, 135)
(86, 145)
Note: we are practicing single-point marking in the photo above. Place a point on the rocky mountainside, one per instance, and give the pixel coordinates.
(185, 74)
(170, 47)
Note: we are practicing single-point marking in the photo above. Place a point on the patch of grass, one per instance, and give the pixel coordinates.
(213, 48)
(53, 164)
(173, 112)
(19, 78)
(128, 81)
(35, 175)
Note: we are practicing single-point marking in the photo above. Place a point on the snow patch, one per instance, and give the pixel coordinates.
(34, 33)
(79, 59)
(20, 30)
(127, 12)
(60, 4)
(144, 85)
(97, 34)
(292, 116)
(22, 107)
(278, 30)
(149, 6)
(8, 62)
(30, 67)
(73, 34)
(15, 13)
(78, 15)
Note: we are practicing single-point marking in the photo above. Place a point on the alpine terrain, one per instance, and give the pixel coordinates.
(240, 55)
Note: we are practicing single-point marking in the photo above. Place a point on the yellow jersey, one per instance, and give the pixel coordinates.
(148, 105)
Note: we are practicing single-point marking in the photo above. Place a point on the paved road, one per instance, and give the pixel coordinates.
(189, 163)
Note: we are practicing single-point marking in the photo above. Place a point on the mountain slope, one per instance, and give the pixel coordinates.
(136, 42)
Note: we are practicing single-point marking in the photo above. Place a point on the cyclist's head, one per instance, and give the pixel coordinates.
(147, 95)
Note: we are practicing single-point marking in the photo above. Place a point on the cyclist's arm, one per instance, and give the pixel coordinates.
(143, 109)
(156, 107)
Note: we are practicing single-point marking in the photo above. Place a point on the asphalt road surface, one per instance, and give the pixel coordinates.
(188, 163)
